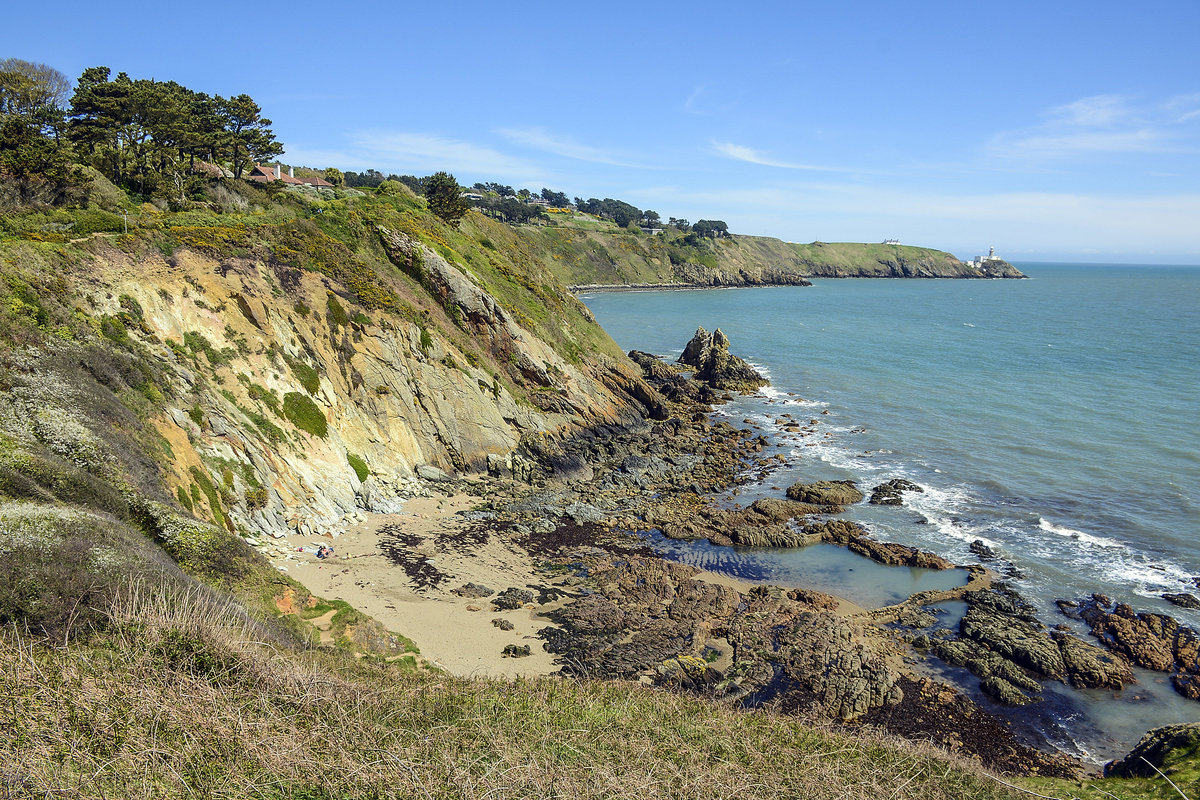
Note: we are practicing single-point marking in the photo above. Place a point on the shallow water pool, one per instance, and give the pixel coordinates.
(824, 567)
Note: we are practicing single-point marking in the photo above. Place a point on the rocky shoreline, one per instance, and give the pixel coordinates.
(585, 505)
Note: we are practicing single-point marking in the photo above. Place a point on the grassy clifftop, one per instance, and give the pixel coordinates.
(582, 250)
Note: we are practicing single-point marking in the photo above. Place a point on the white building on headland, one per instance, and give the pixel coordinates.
(981, 260)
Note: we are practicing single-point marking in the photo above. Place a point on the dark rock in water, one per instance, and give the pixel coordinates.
(977, 547)
(716, 366)
(512, 598)
(473, 591)
(1153, 641)
(825, 493)
(1020, 641)
(854, 537)
(503, 624)
(516, 651)
(892, 492)
(1167, 749)
(1183, 599)
(1090, 667)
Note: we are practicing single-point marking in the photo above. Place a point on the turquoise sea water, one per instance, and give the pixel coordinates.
(1054, 419)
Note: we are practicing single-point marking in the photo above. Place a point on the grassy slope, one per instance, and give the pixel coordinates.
(179, 700)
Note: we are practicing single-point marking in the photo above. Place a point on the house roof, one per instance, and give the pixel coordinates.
(266, 174)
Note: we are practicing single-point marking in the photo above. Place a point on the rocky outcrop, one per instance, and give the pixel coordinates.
(716, 366)
(892, 492)
(1153, 641)
(1168, 750)
(1002, 642)
(826, 493)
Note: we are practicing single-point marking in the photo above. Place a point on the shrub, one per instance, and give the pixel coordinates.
(337, 314)
(61, 567)
(308, 377)
(359, 466)
(185, 500)
(302, 412)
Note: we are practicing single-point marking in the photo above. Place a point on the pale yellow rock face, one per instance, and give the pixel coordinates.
(385, 398)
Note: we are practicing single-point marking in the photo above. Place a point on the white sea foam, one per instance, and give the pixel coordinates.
(783, 398)
(968, 325)
(1079, 536)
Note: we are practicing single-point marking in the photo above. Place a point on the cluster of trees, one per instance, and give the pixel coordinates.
(618, 211)
(373, 177)
(146, 135)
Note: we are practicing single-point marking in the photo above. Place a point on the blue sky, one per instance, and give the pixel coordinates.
(1052, 131)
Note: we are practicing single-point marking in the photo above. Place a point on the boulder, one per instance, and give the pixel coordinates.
(825, 493)
(1170, 749)
(512, 598)
(1090, 667)
(892, 492)
(1018, 640)
(516, 651)
(473, 591)
(1183, 599)
(431, 473)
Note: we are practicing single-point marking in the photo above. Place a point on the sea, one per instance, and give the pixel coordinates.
(1054, 420)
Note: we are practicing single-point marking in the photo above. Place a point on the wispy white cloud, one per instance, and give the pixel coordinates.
(420, 153)
(545, 141)
(1106, 123)
(751, 156)
(429, 153)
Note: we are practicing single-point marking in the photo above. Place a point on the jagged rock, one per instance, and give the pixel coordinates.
(1000, 678)
(503, 624)
(1168, 749)
(891, 493)
(473, 591)
(1153, 641)
(1003, 691)
(825, 493)
(1090, 667)
(977, 547)
(512, 598)
(716, 366)
(516, 651)
(1021, 641)
(827, 655)
(1183, 599)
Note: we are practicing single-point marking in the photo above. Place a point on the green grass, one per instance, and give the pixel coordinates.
(359, 466)
(302, 412)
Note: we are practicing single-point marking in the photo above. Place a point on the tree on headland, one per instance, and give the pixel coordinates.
(335, 176)
(444, 196)
(556, 199)
(249, 133)
(147, 134)
(31, 123)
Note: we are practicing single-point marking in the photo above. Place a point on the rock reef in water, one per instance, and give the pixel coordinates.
(716, 366)
(1153, 641)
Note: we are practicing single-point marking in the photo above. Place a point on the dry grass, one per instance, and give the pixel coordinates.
(179, 699)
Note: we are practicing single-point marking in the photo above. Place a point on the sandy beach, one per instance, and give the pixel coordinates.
(453, 633)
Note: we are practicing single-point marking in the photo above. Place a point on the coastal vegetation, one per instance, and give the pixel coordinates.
(168, 337)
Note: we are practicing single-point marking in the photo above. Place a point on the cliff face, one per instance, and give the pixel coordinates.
(610, 256)
(292, 393)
